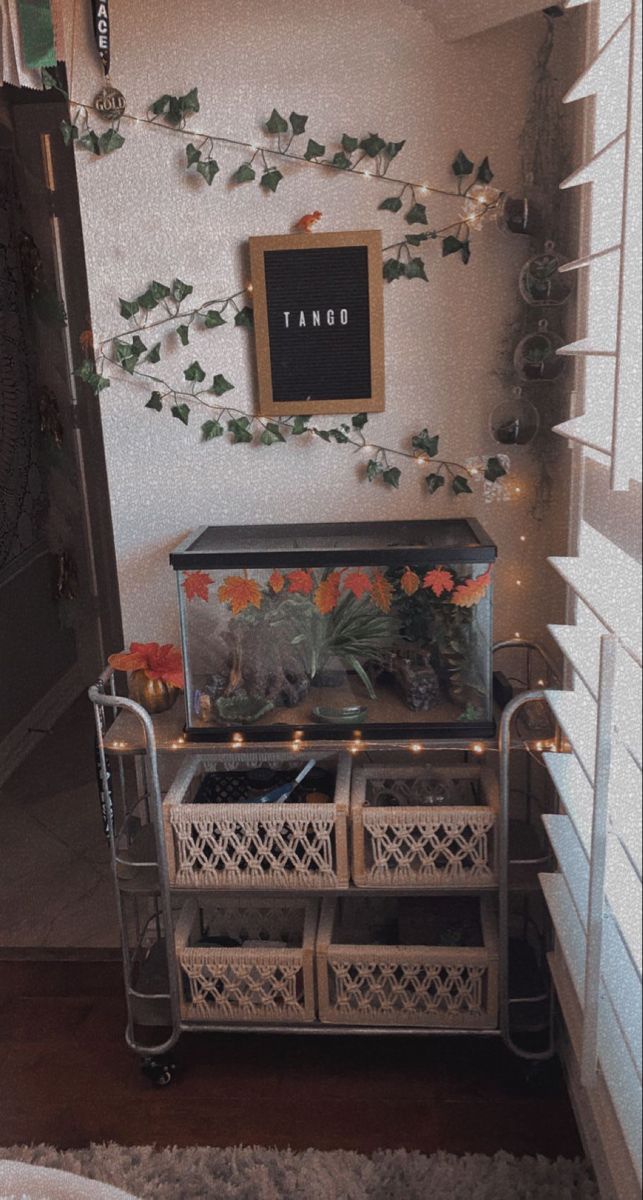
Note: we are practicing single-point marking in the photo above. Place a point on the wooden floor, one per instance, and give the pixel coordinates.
(68, 1079)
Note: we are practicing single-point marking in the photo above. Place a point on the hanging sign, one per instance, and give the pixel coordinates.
(100, 10)
(319, 323)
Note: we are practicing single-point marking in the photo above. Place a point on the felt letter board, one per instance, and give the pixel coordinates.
(319, 324)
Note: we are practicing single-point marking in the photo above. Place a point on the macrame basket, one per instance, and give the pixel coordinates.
(360, 982)
(258, 984)
(241, 845)
(408, 844)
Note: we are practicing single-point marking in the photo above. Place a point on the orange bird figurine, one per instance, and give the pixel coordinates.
(305, 223)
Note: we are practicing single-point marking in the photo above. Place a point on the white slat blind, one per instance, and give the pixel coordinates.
(596, 896)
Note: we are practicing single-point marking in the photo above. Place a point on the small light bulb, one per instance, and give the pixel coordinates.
(416, 747)
(367, 174)
(516, 635)
(421, 461)
(541, 683)
(249, 287)
(295, 744)
(519, 583)
(424, 187)
(523, 538)
(517, 490)
(477, 748)
(539, 745)
(474, 471)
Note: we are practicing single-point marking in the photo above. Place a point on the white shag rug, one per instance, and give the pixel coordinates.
(254, 1173)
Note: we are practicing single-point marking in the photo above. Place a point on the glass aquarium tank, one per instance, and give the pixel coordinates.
(320, 631)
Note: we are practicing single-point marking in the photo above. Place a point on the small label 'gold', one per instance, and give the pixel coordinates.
(109, 102)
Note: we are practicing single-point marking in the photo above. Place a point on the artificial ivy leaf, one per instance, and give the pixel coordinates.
(276, 123)
(392, 269)
(213, 319)
(426, 442)
(372, 145)
(154, 354)
(494, 469)
(392, 476)
(211, 429)
(465, 253)
(359, 420)
(297, 122)
(434, 483)
(459, 485)
(89, 141)
(415, 269)
(190, 102)
(208, 169)
(159, 290)
(338, 435)
(128, 353)
(323, 434)
(192, 154)
(244, 174)
(451, 245)
(271, 435)
(89, 376)
(239, 427)
(194, 373)
(393, 148)
(271, 179)
(314, 149)
(161, 105)
(220, 385)
(181, 412)
(416, 239)
(180, 290)
(128, 308)
(244, 318)
(461, 165)
(49, 80)
(109, 141)
(69, 132)
(340, 161)
(373, 469)
(300, 425)
(391, 204)
(183, 332)
(155, 402)
(349, 144)
(147, 300)
(485, 174)
(416, 215)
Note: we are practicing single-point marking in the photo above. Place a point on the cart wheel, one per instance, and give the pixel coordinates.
(160, 1071)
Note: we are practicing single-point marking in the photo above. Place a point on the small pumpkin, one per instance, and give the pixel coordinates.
(156, 674)
(154, 695)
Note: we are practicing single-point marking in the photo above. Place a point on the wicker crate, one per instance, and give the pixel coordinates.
(259, 984)
(239, 846)
(398, 842)
(363, 982)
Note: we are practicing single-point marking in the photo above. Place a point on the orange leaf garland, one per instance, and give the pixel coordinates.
(409, 582)
(472, 591)
(300, 581)
(438, 581)
(381, 591)
(159, 662)
(239, 593)
(327, 594)
(357, 582)
(197, 583)
(276, 582)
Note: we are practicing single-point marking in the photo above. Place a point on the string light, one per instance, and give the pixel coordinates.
(477, 748)
(523, 538)
(519, 583)
(295, 744)
(517, 490)
(249, 288)
(516, 634)
(416, 748)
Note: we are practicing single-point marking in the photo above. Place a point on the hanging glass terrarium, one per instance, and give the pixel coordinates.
(536, 359)
(541, 283)
(520, 214)
(514, 422)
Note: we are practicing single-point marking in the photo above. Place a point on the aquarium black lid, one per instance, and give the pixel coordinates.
(376, 543)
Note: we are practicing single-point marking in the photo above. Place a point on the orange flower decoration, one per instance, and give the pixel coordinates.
(276, 582)
(239, 593)
(327, 594)
(381, 591)
(300, 581)
(158, 662)
(357, 582)
(197, 583)
(409, 582)
(472, 591)
(438, 581)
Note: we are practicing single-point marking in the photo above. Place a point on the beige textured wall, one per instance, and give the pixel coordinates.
(353, 67)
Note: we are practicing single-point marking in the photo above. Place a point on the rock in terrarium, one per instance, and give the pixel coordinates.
(417, 681)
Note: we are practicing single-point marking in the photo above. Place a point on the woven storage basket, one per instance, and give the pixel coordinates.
(259, 984)
(361, 983)
(240, 846)
(413, 845)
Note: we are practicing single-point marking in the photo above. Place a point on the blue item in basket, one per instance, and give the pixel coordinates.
(284, 790)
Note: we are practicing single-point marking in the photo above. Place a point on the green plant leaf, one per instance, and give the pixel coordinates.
(414, 269)
(300, 425)
(359, 420)
(460, 485)
(147, 300)
(391, 204)
(159, 290)
(183, 333)
(360, 671)
(393, 148)
(180, 290)
(416, 215)
(271, 179)
(211, 429)
(465, 253)
(276, 123)
(349, 144)
(109, 141)
(373, 469)
(89, 141)
(340, 161)
(451, 245)
(213, 319)
(425, 442)
(87, 373)
(194, 373)
(271, 435)
(244, 174)
(324, 434)
(244, 318)
(50, 81)
(220, 385)
(297, 123)
(461, 165)
(160, 106)
(494, 469)
(69, 132)
(416, 239)
(392, 476)
(338, 435)
(208, 169)
(485, 174)
(128, 308)
(434, 482)
(190, 102)
(192, 154)
(155, 402)
(154, 354)
(181, 412)
(314, 149)
(393, 269)
(372, 145)
(128, 353)
(240, 429)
